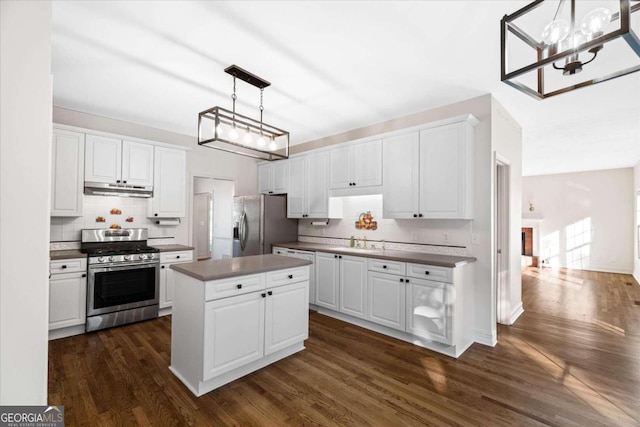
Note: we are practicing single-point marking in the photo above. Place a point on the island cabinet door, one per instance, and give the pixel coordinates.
(233, 333)
(286, 316)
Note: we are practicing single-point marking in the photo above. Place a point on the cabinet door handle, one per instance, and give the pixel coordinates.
(291, 276)
(84, 274)
(426, 272)
(401, 280)
(335, 256)
(340, 256)
(420, 215)
(155, 214)
(162, 266)
(415, 215)
(354, 184)
(384, 266)
(239, 286)
(124, 182)
(270, 192)
(263, 295)
(177, 256)
(117, 181)
(407, 280)
(63, 266)
(270, 293)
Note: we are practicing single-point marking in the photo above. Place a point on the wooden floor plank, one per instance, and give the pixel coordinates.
(573, 358)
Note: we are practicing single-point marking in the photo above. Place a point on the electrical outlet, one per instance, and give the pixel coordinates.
(414, 236)
(475, 240)
(445, 237)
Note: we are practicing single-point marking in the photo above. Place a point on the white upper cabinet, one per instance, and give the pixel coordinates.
(114, 161)
(272, 177)
(307, 193)
(401, 190)
(356, 165)
(103, 159)
(169, 188)
(137, 163)
(67, 173)
(429, 173)
(446, 172)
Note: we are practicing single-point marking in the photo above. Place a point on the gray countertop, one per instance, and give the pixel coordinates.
(66, 254)
(233, 267)
(402, 256)
(172, 248)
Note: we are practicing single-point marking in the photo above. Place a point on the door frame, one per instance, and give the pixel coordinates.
(502, 242)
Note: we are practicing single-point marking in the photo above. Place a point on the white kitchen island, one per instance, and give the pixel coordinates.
(234, 316)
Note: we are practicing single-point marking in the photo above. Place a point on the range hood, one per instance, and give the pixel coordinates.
(121, 190)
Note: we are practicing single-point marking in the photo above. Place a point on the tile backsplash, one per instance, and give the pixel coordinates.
(67, 229)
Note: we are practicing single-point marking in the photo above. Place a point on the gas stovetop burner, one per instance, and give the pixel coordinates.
(119, 246)
(111, 249)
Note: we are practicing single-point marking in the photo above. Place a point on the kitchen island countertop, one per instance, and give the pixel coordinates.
(233, 267)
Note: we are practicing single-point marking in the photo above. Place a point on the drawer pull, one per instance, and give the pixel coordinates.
(239, 286)
(270, 292)
(263, 295)
(84, 274)
(291, 276)
(162, 266)
(407, 280)
(426, 272)
(335, 256)
(63, 266)
(401, 280)
(177, 256)
(384, 266)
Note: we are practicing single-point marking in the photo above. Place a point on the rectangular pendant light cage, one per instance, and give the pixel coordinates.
(225, 130)
(527, 62)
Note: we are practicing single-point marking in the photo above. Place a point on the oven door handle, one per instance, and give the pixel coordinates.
(121, 267)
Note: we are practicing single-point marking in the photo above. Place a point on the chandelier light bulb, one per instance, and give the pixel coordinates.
(594, 22)
(218, 129)
(555, 31)
(261, 142)
(247, 139)
(233, 134)
(273, 145)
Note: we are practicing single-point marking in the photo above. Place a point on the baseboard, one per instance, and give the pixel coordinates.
(516, 313)
(637, 279)
(606, 270)
(487, 338)
(66, 332)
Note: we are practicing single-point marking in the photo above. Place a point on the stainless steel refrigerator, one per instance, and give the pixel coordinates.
(258, 222)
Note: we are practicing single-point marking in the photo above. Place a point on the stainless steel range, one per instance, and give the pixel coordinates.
(123, 277)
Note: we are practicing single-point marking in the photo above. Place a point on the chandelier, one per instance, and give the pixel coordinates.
(550, 47)
(227, 130)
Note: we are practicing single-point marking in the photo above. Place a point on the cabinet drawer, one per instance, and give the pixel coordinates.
(285, 277)
(173, 257)
(430, 272)
(385, 266)
(224, 288)
(72, 265)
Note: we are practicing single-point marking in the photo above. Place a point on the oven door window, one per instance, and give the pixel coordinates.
(119, 287)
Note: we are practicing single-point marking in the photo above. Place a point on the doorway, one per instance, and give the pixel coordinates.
(502, 241)
(211, 226)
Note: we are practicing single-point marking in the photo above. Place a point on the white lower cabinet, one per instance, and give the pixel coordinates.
(341, 283)
(429, 307)
(219, 335)
(167, 276)
(68, 295)
(234, 333)
(386, 300)
(309, 256)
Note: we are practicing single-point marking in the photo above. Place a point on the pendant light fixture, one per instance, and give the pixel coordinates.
(226, 130)
(546, 45)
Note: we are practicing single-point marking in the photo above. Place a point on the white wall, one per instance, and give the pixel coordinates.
(603, 201)
(482, 225)
(201, 161)
(25, 158)
(506, 138)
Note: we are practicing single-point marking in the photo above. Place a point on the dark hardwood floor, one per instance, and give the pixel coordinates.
(572, 359)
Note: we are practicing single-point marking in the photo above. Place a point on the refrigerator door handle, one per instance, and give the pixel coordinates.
(242, 229)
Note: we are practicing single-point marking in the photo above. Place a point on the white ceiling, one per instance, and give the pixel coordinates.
(334, 66)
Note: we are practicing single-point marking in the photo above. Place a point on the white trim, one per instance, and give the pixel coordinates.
(119, 136)
(604, 270)
(70, 331)
(488, 338)
(515, 313)
(636, 277)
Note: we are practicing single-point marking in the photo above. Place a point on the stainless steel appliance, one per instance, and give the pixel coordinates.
(258, 222)
(123, 277)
